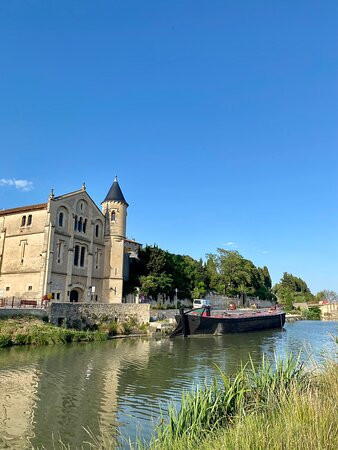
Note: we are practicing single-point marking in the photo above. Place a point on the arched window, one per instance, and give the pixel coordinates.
(97, 229)
(84, 225)
(29, 220)
(113, 216)
(61, 219)
(23, 221)
(79, 225)
(75, 223)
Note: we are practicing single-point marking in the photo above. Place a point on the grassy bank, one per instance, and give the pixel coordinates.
(32, 331)
(286, 407)
(29, 330)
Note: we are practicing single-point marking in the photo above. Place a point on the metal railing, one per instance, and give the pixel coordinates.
(13, 302)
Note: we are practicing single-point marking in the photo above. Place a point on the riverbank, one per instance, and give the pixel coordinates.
(286, 408)
(33, 331)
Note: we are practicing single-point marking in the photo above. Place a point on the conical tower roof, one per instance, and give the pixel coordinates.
(115, 193)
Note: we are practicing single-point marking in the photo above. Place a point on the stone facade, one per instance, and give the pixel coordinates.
(66, 249)
(96, 313)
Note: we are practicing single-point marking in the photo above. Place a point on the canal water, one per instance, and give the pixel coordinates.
(47, 392)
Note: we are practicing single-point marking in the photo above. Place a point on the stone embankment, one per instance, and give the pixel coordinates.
(95, 313)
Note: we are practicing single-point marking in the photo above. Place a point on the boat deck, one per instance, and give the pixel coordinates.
(239, 314)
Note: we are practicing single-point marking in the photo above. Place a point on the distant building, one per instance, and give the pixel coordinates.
(67, 248)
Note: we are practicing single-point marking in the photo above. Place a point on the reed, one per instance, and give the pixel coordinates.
(31, 331)
(240, 412)
(302, 418)
(280, 405)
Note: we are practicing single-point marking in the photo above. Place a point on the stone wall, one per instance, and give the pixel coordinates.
(88, 313)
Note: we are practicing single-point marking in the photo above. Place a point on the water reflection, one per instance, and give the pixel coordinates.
(58, 390)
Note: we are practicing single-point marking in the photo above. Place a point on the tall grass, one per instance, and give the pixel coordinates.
(303, 418)
(279, 404)
(204, 409)
(32, 331)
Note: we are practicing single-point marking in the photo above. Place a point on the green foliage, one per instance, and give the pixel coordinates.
(31, 331)
(160, 272)
(291, 290)
(5, 340)
(231, 274)
(313, 313)
(297, 417)
(200, 290)
(218, 405)
(330, 296)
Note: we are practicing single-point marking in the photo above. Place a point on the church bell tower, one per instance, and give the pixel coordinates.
(114, 208)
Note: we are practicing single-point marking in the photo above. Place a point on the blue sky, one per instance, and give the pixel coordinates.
(219, 118)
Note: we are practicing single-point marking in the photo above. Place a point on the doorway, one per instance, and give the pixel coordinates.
(74, 296)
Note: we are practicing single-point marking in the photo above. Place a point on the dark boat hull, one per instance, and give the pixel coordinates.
(191, 324)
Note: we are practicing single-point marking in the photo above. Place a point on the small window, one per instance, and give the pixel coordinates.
(23, 221)
(97, 230)
(59, 251)
(76, 255)
(58, 296)
(79, 225)
(75, 223)
(81, 206)
(84, 225)
(97, 258)
(8, 288)
(30, 287)
(113, 216)
(29, 220)
(61, 219)
(82, 256)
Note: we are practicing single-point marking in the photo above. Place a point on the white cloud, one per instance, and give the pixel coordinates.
(230, 243)
(21, 185)
(265, 252)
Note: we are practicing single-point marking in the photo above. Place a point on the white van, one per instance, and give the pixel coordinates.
(201, 303)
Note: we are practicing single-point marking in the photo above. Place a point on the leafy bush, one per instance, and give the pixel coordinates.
(5, 340)
(313, 313)
(113, 328)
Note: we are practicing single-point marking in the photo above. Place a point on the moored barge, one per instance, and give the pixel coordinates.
(196, 322)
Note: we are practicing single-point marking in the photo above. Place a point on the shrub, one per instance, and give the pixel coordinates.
(127, 327)
(313, 313)
(21, 339)
(113, 328)
(5, 340)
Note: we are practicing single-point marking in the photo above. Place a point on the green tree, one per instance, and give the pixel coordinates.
(292, 289)
(231, 274)
(330, 296)
(158, 271)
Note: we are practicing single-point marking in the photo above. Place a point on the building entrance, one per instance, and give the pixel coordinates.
(74, 296)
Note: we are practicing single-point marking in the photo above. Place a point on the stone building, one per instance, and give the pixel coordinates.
(67, 248)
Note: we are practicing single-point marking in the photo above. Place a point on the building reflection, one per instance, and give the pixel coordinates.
(57, 391)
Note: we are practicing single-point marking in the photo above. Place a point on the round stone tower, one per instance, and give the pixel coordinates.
(114, 208)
